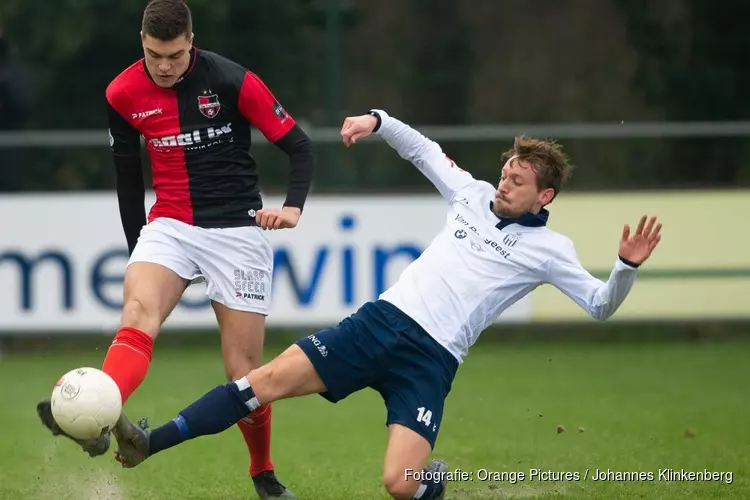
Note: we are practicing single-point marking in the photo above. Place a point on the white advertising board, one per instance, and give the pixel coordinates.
(62, 259)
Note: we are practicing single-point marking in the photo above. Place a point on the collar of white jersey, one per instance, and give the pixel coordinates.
(527, 220)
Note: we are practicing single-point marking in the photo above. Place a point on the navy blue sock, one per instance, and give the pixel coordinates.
(218, 410)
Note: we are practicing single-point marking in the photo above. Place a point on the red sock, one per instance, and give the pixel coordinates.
(256, 429)
(128, 359)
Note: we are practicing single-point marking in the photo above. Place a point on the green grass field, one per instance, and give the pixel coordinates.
(625, 407)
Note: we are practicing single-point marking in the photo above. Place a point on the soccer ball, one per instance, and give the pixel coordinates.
(86, 403)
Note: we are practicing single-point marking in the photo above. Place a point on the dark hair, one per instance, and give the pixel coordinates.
(166, 20)
(547, 160)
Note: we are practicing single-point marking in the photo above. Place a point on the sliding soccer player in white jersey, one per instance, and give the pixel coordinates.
(494, 249)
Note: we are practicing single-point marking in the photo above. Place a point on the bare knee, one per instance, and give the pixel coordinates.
(137, 314)
(242, 335)
(241, 353)
(266, 376)
(266, 384)
(239, 365)
(397, 486)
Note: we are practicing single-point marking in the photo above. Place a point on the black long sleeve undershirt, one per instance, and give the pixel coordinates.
(299, 147)
(131, 196)
(125, 148)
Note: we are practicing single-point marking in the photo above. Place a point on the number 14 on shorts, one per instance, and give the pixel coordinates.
(425, 416)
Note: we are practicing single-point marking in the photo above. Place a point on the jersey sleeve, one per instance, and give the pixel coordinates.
(425, 154)
(598, 298)
(124, 139)
(124, 143)
(259, 106)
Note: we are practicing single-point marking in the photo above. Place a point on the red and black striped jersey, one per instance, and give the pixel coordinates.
(197, 135)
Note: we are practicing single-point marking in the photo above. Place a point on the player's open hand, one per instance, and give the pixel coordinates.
(273, 218)
(638, 247)
(357, 127)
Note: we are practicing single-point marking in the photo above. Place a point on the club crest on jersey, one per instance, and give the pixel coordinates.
(209, 105)
(511, 239)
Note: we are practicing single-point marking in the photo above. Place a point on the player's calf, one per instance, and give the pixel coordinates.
(128, 359)
(398, 486)
(431, 484)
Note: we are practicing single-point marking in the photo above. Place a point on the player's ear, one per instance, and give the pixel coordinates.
(546, 196)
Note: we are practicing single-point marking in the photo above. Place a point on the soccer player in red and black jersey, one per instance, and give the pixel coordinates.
(194, 110)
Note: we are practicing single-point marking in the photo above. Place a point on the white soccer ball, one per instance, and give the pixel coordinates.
(86, 403)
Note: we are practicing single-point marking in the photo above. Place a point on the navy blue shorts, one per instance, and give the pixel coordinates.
(382, 348)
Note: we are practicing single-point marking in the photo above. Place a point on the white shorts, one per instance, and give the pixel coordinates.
(236, 262)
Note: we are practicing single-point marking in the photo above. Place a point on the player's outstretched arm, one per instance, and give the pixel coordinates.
(125, 147)
(411, 145)
(601, 299)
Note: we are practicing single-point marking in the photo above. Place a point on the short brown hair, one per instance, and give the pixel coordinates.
(547, 159)
(166, 20)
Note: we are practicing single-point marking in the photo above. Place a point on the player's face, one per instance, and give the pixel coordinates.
(517, 192)
(167, 61)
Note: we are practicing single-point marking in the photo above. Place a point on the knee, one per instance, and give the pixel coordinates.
(398, 487)
(240, 360)
(265, 376)
(237, 366)
(266, 383)
(137, 314)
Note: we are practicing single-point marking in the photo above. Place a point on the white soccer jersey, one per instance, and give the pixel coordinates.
(478, 265)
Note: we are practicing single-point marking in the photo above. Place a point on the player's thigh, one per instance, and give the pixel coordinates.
(416, 405)
(157, 274)
(352, 355)
(150, 293)
(405, 457)
(289, 375)
(238, 266)
(417, 384)
(242, 334)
